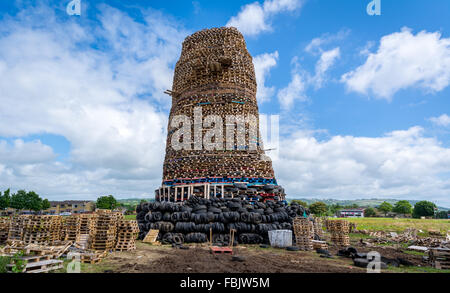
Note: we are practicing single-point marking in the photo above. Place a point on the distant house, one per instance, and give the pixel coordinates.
(7, 212)
(70, 206)
(351, 213)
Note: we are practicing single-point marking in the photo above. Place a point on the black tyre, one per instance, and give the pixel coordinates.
(292, 248)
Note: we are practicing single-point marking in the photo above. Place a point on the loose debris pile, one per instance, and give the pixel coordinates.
(33, 258)
(372, 260)
(192, 220)
(408, 236)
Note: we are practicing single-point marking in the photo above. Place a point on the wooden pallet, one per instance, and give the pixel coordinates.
(42, 266)
(220, 250)
(151, 236)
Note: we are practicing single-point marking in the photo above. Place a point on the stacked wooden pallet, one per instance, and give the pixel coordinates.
(85, 222)
(16, 227)
(215, 76)
(339, 230)
(42, 229)
(319, 244)
(440, 258)
(103, 230)
(37, 264)
(127, 232)
(72, 227)
(4, 229)
(318, 230)
(304, 233)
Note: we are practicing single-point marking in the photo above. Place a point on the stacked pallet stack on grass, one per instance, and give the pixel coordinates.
(42, 229)
(82, 239)
(440, 258)
(103, 230)
(318, 230)
(339, 230)
(4, 229)
(72, 227)
(304, 233)
(16, 227)
(85, 222)
(127, 232)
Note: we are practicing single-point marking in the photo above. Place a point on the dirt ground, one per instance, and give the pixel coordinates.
(197, 259)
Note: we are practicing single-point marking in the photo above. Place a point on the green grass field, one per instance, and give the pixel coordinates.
(400, 225)
(130, 217)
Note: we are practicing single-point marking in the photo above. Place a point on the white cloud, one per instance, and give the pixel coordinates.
(326, 61)
(401, 164)
(294, 91)
(302, 80)
(403, 60)
(443, 120)
(254, 18)
(25, 152)
(316, 44)
(263, 64)
(105, 100)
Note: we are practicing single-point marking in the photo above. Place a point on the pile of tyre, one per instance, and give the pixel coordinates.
(192, 221)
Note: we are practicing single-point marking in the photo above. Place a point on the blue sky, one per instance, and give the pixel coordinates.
(363, 100)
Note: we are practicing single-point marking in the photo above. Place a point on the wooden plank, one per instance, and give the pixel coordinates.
(151, 236)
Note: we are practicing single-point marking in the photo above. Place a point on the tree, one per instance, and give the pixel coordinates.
(443, 214)
(385, 207)
(107, 202)
(18, 200)
(369, 212)
(33, 201)
(318, 208)
(334, 208)
(403, 207)
(423, 209)
(45, 204)
(5, 199)
(300, 202)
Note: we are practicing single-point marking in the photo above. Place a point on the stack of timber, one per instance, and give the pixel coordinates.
(127, 232)
(42, 229)
(37, 264)
(318, 230)
(339, 230)
(440, 258)
(304, 233)
(4, 229)
(16, 227)
(103, 230)
(72, 227)
(215, 77)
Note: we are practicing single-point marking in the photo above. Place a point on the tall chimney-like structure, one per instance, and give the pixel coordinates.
(213, 144)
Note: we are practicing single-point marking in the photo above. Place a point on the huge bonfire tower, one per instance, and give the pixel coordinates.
(213, 144)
